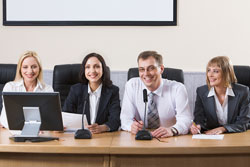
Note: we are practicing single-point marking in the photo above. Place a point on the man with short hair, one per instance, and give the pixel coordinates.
(168, 110)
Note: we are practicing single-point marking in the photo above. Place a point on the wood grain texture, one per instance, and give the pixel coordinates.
(120, 149)
(124, 143)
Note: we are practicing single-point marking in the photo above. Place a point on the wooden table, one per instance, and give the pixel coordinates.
(67, 152)
(120, 149)
(184, 151)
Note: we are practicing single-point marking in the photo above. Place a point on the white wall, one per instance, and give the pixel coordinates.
(206, 28)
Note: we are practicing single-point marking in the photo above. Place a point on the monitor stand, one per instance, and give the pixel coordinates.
(31, 128)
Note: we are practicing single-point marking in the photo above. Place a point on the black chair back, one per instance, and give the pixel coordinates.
(168, 73)
(243, 74)
(64, 76)
(7, 73)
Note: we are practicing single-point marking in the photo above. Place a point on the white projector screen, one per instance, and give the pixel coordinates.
(89, 12)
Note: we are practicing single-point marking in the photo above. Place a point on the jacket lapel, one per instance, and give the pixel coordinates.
(104, 99)
(86, 96)
(211, 107)
(232, 102)
(87, 112)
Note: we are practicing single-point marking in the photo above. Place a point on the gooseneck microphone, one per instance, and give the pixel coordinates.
(145, 96)
(144, 134)
(145, 99)
(83, 133)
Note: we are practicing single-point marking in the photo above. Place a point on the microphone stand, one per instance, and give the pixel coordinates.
(83, 133)
(144, 134)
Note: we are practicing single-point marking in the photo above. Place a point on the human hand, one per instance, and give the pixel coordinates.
(64, 130)
(216, 131)
(162, 132)
(95, 128)
(195, 129)
(1, 126)
(136, 126)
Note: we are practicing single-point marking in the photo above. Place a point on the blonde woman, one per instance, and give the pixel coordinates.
(222, 106)
(29, 78)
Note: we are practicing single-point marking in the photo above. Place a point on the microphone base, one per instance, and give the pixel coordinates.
(83, 134)
(143, 135)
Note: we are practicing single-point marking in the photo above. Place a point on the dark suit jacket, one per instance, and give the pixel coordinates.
(109, 106)
(238, 109)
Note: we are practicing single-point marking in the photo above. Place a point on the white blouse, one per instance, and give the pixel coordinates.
(19, 87)
(94, 99)
(221, 110)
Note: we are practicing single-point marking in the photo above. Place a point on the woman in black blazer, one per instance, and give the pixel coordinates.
(222, 105)
(102, 107)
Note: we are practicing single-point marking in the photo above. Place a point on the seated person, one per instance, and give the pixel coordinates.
(168, 108)
(103, 104)
(29, 78)
(222, 105)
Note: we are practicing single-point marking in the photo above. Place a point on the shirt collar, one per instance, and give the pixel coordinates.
(211, 92)
(229, 92)
(97, 92)
(20, 82)
(38, 85)
(158, 91)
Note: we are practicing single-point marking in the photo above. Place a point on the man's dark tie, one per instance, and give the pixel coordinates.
(153, 116)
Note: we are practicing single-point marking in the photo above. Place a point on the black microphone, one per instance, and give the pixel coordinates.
(145, 99)
(83, 133)
(145, 96)
(144, 134)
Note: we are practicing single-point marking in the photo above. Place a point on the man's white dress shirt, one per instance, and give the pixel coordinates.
(171, 100)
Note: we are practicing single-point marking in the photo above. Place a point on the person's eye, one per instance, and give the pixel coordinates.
(97, 66)
(34, 67)
(216, 71)
(141, 70)
(87, 67)
(151, 68)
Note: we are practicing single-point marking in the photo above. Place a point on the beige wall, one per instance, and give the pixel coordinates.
(206, 28)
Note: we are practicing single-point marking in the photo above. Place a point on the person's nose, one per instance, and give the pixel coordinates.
(92, 69)
(30, 70)
(210, 73)
(146, 72)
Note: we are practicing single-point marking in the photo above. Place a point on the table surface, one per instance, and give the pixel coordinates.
(122, 142)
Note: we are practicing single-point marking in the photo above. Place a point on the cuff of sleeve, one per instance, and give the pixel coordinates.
(108, 130)
(127, 126)
(174, 131)
(180, 130)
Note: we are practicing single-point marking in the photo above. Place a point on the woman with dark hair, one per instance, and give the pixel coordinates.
(102, 97)
(222, 105)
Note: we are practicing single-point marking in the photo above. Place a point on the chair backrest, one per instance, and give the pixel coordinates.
(7, 73)
(242, 74)
(64, 76)
(168, 73)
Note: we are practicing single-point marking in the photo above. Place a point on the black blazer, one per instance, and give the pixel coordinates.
(238, 109)
(109, 106)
